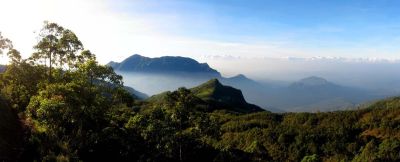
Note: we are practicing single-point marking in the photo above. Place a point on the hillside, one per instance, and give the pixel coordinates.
(214, 92)
(369, 134)
(218, 97)
(355, 135)
(136, 94)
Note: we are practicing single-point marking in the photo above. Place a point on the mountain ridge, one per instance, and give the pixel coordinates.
(311, 81)
(139, 63)
(309, 91)
(218, 97)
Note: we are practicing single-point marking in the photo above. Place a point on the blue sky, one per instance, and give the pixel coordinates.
(305, 23)
(115, 29)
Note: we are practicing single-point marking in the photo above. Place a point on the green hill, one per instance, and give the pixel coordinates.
(217, 97)
(135, 93)
(214, 93)
(367, 134)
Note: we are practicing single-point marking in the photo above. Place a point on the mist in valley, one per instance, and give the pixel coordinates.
(152, 84)
(378, 74)
(268, 82)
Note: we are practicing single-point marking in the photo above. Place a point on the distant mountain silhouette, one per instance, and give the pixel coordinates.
(240, 80)
(316, 94)
(319, 88)
(310, 82)
(166, 64)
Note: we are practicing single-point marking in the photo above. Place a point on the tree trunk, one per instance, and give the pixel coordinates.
(50, 58)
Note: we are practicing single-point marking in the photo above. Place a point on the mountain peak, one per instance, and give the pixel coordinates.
(212, 83)
(224, 96)
(312, 81)
(240, 76)
(136, 56)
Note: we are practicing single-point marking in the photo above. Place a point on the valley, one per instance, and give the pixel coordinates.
(311, 94)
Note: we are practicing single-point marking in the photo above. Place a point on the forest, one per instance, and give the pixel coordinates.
(60, 104)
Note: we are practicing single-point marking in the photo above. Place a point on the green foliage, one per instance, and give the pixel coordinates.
(311, 158)
(58, 46)
(20, 82)
(5, 43)
(77, 115)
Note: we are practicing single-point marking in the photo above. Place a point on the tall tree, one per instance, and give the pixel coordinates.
(57, 45)
(69, 44)
(181, 101)
(5, 43)
(13, 54)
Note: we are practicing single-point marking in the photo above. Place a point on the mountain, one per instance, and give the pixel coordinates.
(319, 88)
(224, 96)
(156, 75)
(310, 82)
(240, 80)
(165, 64)
(317, 94)
(136, 94)
(216, 97)
(253, 91)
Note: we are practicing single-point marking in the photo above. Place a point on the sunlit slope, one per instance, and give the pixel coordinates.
(217, 96)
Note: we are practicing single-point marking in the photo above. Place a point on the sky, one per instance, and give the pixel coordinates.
(206, 29)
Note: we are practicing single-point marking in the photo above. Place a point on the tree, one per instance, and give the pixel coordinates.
(74, 112)
(57, 45)
(20, 82)
(15, 56)
(69, 44)
(310, 158)
(20, 79)
(180, 101)
(5, 43)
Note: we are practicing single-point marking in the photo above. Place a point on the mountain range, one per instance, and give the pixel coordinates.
(317, 94)
(156, 75)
